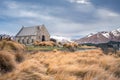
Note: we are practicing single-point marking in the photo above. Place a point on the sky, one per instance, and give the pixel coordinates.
(68, 18)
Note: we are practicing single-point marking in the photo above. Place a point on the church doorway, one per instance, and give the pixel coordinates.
(43, 38)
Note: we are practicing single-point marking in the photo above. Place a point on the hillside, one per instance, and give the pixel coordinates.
(58, 65)
(86, 65)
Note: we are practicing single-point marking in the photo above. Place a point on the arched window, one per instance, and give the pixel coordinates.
(43, 38)
(23, 41)
(32, 40)
(27, 41)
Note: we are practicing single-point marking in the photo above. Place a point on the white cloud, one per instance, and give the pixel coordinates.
(104, 13)
(21, 10)
(25, 13)
(11, 5)
(84, 6)
(80, 1)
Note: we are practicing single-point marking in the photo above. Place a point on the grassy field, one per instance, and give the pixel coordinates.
(49, 48)
(59, 65)
(43, 48)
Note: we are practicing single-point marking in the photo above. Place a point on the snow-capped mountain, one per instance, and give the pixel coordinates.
(91, 34)
(61, 39)
(101, 37)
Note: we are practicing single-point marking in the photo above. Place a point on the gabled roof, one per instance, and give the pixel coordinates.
(25, 31)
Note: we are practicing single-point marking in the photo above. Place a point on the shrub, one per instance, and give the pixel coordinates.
(118, 54)
(7, 62)
(11, 46)
(2, 44)
(71, 46)
(117, 73)
(116, 68)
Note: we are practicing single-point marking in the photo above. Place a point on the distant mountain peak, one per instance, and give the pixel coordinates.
(62, 39)
(101, 37)
(91, 34)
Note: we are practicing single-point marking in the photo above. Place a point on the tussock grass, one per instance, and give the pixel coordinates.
(10, 53)
(60, 65)
(64, 76)
(28, 70)
(19, 57)
(85, 65)
(7, 63)
(11, 46)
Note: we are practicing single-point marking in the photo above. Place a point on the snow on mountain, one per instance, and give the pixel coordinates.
(101, 37)
(91, 34)
(61, 39)
(106, 34)
(118, 29)
(116, 32)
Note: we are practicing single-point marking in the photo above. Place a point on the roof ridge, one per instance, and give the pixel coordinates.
(20, 30)
(34, 26)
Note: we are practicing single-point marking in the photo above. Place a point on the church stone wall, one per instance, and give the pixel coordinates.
(26, 39)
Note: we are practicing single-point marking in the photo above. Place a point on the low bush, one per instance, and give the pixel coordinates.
(11, 46)
(7, 62)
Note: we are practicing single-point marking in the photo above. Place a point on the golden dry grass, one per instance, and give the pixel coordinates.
(44, 43)
(59, 65)
(7, 62)
(11, 46)
(86, 65)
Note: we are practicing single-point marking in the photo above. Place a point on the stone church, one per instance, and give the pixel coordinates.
(27, 35)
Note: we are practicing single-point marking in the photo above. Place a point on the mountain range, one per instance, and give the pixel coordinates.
(61, 39)
(101, 37)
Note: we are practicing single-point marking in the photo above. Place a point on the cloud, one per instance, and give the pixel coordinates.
(11, 5)
(80, 1)
(66, 17)
(113, 5)
(107, 14)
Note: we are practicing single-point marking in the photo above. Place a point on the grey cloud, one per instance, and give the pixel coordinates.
(68, 20)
